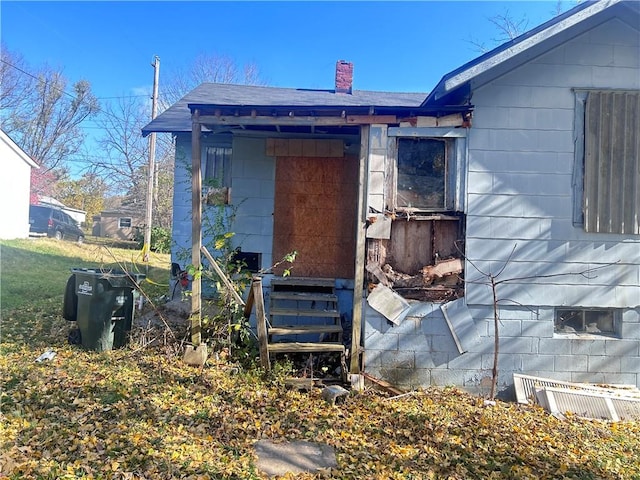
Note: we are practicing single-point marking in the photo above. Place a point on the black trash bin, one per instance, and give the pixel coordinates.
(103, 306)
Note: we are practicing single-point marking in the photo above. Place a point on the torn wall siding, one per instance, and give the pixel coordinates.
(518, 192)
(415, 242)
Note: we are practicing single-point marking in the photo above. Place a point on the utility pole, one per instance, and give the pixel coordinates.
(152, 162)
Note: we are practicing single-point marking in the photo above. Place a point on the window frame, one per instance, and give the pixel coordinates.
(444, 146)
(217, 188)
(456, 151)
(120, 219)
(616, 314)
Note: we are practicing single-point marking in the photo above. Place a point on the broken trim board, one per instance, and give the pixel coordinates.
(379, 227)
(461, 325)
(388, 303)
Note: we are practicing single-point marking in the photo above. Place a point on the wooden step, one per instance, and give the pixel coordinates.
(304, 297)
(304, 282)
(303, 329)
(294, 347)
(303, 312)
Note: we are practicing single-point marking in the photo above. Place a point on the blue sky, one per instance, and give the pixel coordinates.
(395, 46)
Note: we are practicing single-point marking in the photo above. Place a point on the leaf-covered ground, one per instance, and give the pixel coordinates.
(142, 413)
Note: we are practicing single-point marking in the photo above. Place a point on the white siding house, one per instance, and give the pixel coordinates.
(569, 306)
(521, 168)
(15, 186)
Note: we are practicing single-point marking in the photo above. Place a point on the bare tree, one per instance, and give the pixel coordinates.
(210, 67)
(494, 280)
(40, 114)
(123, 152)
(16, 83)
(509, 27)
(123, 157)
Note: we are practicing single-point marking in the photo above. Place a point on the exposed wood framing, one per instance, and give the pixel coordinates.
(297, 121)
(452, 120)
(421, 260)
(196, 229)
(371, 119)
(361, 239)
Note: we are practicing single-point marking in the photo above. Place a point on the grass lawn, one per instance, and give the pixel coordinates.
(141, 413)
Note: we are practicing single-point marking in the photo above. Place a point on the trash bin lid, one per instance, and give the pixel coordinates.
(116, 278)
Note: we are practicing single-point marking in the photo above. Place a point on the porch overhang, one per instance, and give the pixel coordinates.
(311, 119)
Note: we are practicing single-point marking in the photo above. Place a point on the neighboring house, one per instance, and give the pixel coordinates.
(122, 224)
(15, 187)
(522, 166)
(80, 216)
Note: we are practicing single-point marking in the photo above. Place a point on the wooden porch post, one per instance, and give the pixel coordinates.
(358, 282)
(196, 229)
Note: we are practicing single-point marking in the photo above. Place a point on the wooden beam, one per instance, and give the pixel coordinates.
(361, 234)
(196, 229)
(293, 120)
(249, 305)
(222, 276)
(266, 120)
(369, 119)
(381, 383)
(261, 323)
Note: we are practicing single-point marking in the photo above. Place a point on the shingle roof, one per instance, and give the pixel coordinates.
(177, 118)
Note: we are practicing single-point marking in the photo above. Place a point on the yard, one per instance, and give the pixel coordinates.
(140, 412)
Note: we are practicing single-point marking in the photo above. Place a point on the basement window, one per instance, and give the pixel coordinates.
(587, 321)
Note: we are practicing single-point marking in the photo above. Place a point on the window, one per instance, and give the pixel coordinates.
(217, 175)
(591, 321)
(124, 222)
(607, 176)
(422, 166)
(428, 169)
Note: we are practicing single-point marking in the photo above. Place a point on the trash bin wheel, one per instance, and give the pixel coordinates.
(75, 337)
(70, 305)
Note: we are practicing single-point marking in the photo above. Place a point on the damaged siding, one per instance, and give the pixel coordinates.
(416, 250)
(519, 199)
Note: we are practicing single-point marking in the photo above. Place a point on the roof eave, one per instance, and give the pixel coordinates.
(464, 75)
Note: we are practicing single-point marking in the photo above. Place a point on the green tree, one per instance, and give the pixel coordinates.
(86, 193)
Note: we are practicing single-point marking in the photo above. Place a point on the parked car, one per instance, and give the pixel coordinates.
(54, 223)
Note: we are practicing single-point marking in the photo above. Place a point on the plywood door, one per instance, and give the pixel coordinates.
(315, 215)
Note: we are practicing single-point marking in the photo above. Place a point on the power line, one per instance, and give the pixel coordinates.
(69, 94)
(99, 108)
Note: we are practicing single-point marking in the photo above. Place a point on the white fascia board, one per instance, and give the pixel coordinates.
(17, 150)
(500, 57)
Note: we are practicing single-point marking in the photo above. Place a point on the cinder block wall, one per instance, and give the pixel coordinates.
(519, 194)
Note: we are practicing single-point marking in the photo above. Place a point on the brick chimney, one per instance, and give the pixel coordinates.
(344, 77)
